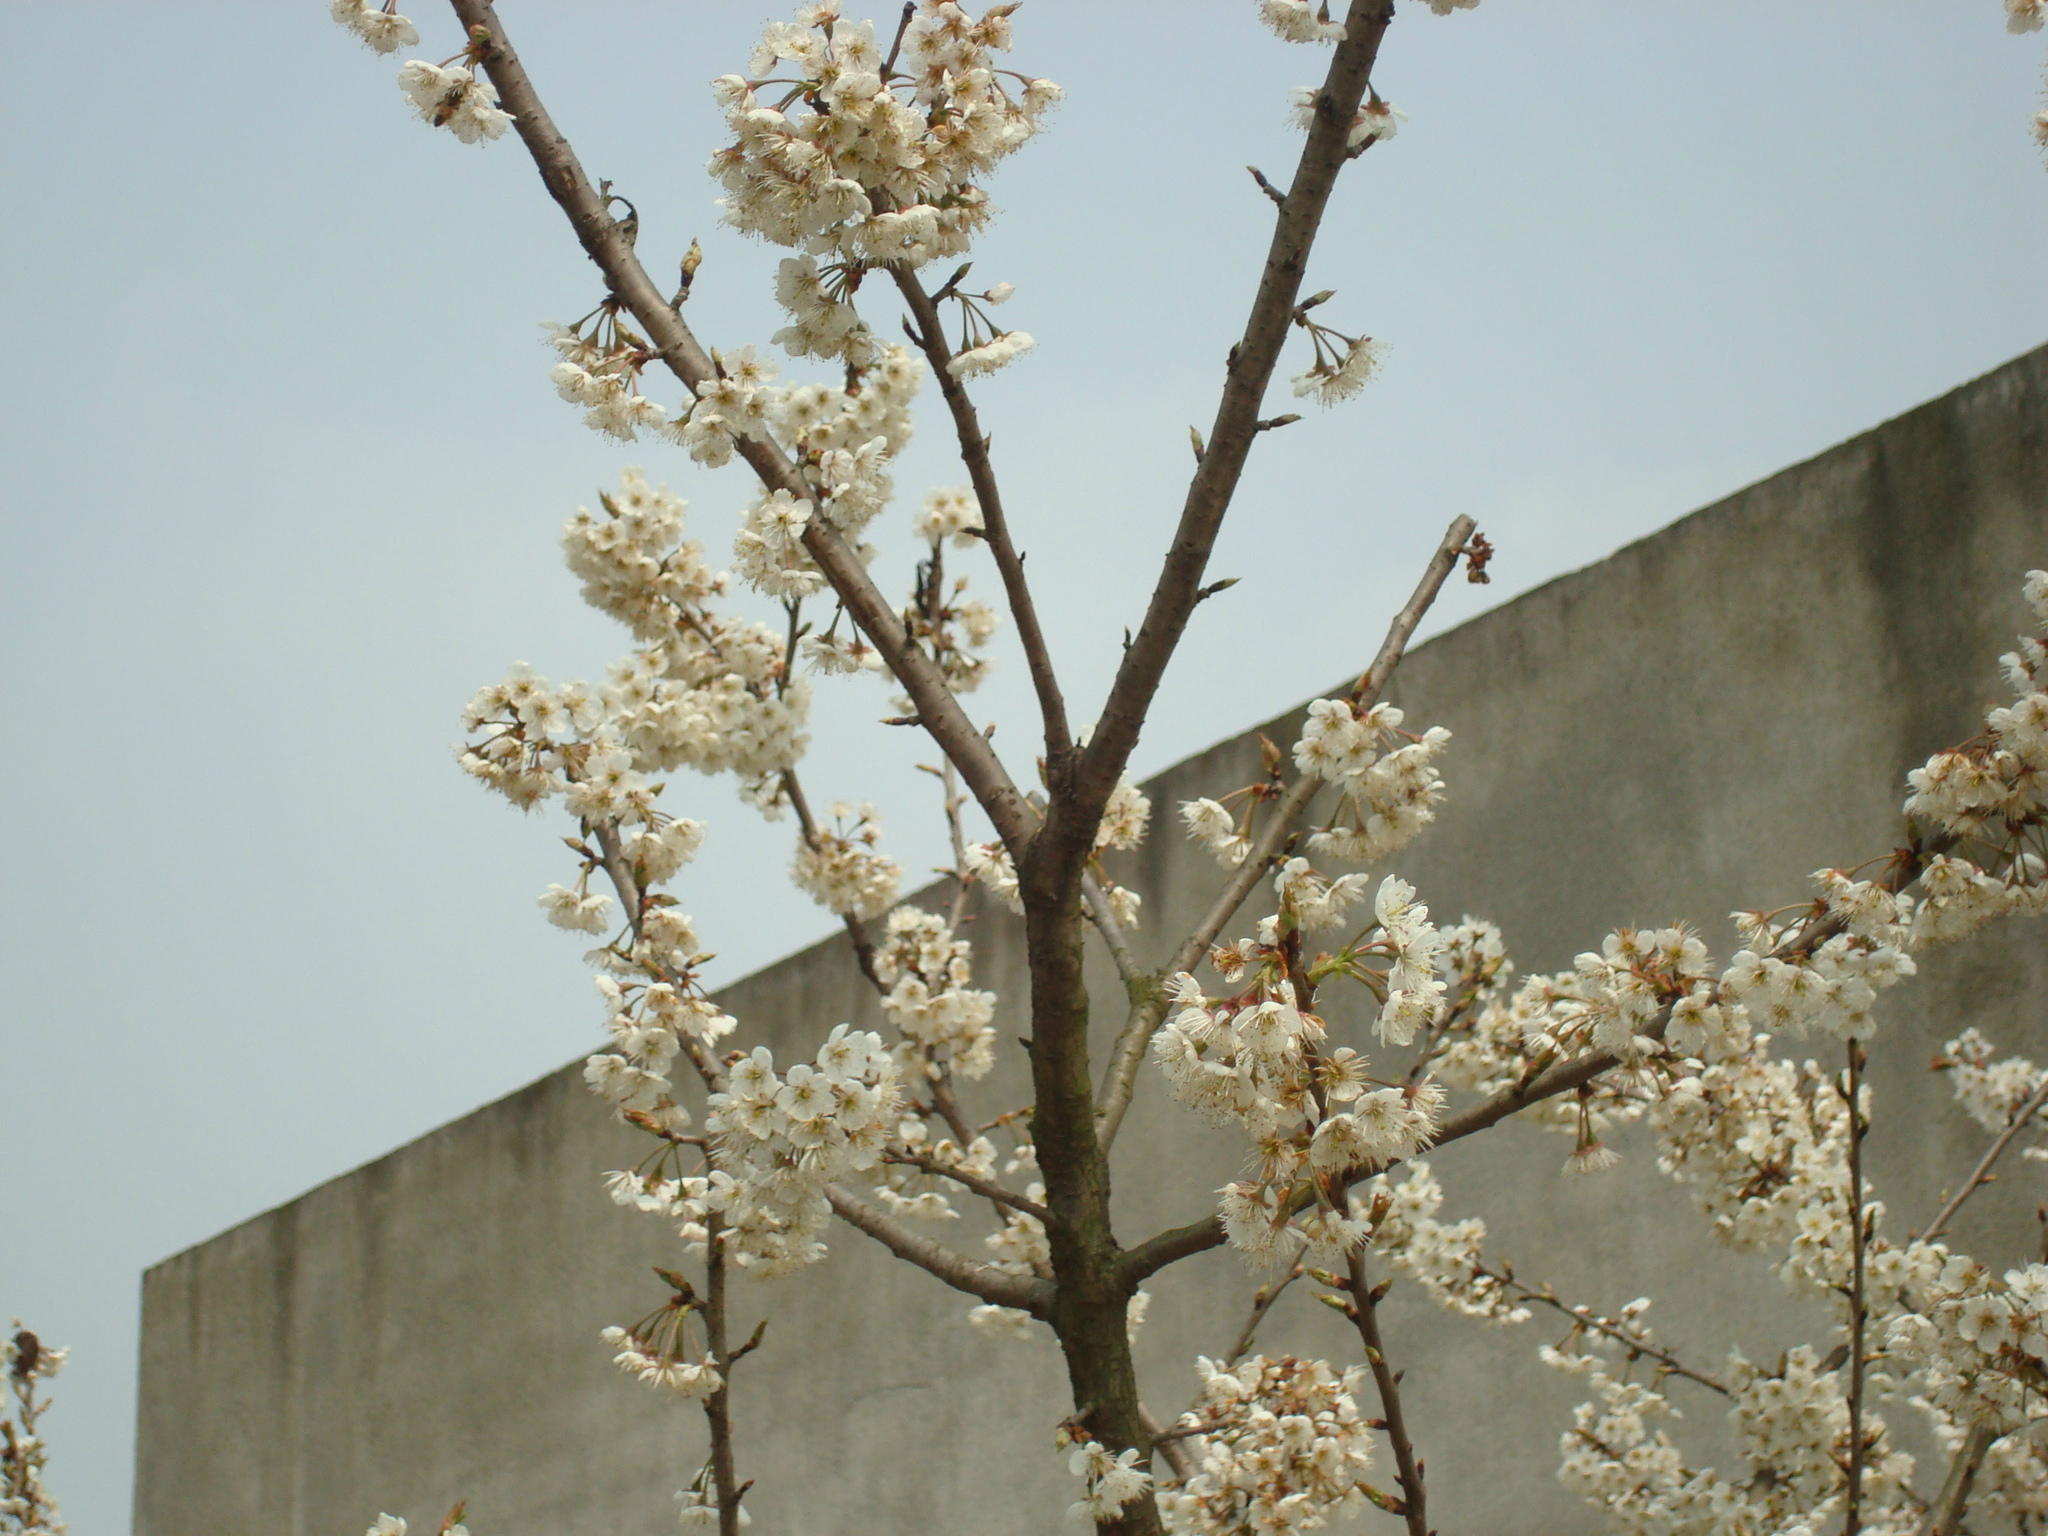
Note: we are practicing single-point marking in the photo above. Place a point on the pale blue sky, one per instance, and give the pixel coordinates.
(284, 473)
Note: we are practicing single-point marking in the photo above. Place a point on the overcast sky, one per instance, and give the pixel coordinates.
(284, 473)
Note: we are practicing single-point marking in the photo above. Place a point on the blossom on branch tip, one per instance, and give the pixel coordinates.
(380, 28)
(451, 97)
(951, 514)
(1297, 21)
(1336, 378)
(1109, 1482)
(874, 168)
(991, 354)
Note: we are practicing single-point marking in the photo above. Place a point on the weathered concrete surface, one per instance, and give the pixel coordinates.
(1686, 728)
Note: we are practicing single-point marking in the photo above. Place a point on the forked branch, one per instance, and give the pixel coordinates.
(1249, 371)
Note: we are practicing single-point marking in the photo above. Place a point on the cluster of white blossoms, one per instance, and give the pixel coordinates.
(650, 1020)
(1829, 987)
(1212, 824)
(381, 28)
(1992, 794)
(1109, 1481)
(1764, 1142)
(840, 870)
(987, 356)
(657, 1367)
(1341, 373)
(1992, 1093)
(1766, 1145)
(2025, 15)
(450, 96)
(1982, 1343)
(1126, 818)
(1656, 1000)
(833, 155)
(908, 1190)
(953, 514)
(1791, 1425)
(769, 554)
(990, 866)
(708, 690)
(824, 322)
(1445, 1258)
(1255, 1058)
(1297, 21)
(845, 433)
(600, 370)
(447, 95)
(778, 1140)
(1019, 1247)
(1386, 777)
(946, 1022)
(1281, 1448)
(1300, 21)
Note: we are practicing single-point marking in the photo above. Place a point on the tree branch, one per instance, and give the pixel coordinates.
(1262, 1303)
(1981, 1174)
(718, 1406)
(607, 245)
(1954, 1498)
(1248, 372)
(1168, 1444)
(931, 339)
(987, 1188)
(1096, 904)
(1364, 1312)
(1585, 1318)
(1859, 1244)
(997, 1287)
(1120, 1079)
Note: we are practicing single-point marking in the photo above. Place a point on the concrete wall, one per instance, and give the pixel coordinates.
(1686, 728)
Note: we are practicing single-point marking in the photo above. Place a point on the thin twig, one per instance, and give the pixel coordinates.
(931, 339)
(962, 881)
(1584, 1318)
(1262, 1303)
(1364, 1311)
(1119, 1080)
(1981, 1174)
(605, 242)
(986, 1188)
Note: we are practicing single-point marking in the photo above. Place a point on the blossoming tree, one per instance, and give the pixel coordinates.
(862, 151)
